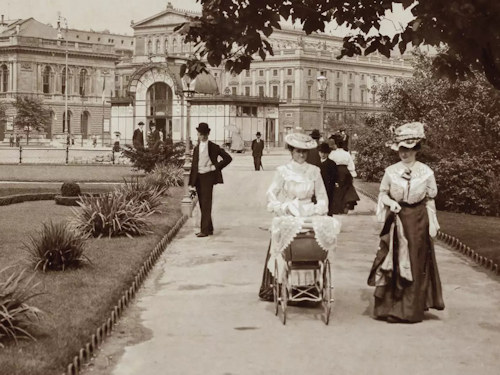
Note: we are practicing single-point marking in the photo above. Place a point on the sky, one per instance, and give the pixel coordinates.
(116, 15)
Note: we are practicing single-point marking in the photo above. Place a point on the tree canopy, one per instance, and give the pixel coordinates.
(31, 112)
(233, 32)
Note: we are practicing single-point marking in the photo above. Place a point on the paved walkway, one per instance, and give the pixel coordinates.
(199, 313)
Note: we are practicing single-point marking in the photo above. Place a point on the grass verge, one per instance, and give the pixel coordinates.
(76, 301)
(34, 188)
(478, 232)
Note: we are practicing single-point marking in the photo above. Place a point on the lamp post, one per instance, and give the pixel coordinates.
(59, 36)
(187, 92)
(322, 86)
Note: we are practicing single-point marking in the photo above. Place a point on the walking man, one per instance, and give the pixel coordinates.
(138, 137)
(329, 174)
(257, 149)
(206, 171)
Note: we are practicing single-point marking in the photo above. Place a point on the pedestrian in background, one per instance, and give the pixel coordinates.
(138, 137)
(11, 140)
(206, 171)
(328, 173)
(257, 150)
(313, 154)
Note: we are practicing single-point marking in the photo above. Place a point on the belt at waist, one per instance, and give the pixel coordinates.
(406, 204)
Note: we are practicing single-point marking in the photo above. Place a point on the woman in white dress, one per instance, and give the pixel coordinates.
(405, 273)
(297, 197)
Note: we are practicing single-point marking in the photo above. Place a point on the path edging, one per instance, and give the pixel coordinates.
(96, 339)
(455, 244)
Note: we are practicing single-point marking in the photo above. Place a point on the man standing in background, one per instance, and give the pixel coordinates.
(257, 150)
(138, 137)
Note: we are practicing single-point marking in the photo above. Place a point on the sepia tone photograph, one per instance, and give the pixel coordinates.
(225, 187)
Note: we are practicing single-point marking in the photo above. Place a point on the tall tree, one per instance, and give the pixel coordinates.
(31, 114)
(233, 32)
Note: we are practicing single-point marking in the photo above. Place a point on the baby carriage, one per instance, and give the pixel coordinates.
(306, 277)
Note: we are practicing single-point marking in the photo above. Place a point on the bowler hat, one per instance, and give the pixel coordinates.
(258, 134)
(315, 134)
(203, 128)
(140, 123)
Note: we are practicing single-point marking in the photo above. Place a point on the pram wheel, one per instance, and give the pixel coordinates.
(327, 291)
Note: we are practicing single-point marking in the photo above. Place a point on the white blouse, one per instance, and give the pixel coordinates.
(342, 157)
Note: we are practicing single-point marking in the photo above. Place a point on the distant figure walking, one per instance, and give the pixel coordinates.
(138, 137)
(257, 150)
(206, 171)
(11, 140)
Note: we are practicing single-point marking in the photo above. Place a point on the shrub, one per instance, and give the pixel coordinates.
(165, 176)
(70, 189)
(159, 153)
(468, 184)
(138, 191)
(111, 214)
(56, 247)
(16, 316)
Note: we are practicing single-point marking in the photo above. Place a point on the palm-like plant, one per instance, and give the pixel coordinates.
(149, 197)
(56, 247)
(16, 315)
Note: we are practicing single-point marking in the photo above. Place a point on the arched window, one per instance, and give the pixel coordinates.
(157, 47)
(63, 81)
(4, 78)
(83, 80)
(150, 47)
(166, 46)
(46, 80)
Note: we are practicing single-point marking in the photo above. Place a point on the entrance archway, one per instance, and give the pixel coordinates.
(159, 108)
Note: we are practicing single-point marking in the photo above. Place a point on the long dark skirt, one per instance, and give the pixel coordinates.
(266, 289)
(401, 299)
(345, 196)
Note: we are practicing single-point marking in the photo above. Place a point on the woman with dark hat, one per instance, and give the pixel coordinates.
(290, 199)
(345, 196)
(405, 273)
(313, 154)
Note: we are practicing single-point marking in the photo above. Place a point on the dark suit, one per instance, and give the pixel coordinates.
(204, 182)
(330, 176)
(313, 157)
(138, 139)
(257, 149)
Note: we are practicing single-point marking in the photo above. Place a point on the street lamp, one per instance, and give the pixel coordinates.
(322, 86)
(188, 92)
(59, 36)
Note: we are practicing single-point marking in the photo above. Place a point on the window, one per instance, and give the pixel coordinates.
(289, 93)
(338, 74)
(289, 72)
(46, 80)
(261, 73)
(362, 96)
(131, 42)
(322, 73)
(350, 95)
(83, 79)
(261, 90)
(247, 90)
(247, 73)
(249, 111)
(98, 39)
(233, 90)
(309, 92)
(157, 47)
(362, 76)
(373, 97)
(216, 74)
(309, 72)
(275, 72)
(338, 94)
(88, 38)
(4, 78)
(63, 81)
(275, 91)
(385, 79)
(150, 47)
(122, 42)
(350, 75)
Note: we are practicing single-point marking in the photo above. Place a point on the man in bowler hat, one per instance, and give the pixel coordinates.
(257, 149)
(138, 137)
(206, 171)
(313, 155)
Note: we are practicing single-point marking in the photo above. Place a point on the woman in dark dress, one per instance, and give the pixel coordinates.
(405, 273)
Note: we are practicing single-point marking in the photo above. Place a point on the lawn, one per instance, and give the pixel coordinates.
(23, 188)
(478, 232)
(79, 173)
(75, 301)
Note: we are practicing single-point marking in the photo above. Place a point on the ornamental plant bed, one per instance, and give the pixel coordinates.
(478, 232)
(75, 301)
(72, 201)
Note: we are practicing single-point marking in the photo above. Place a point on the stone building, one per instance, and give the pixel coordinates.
(39, 60)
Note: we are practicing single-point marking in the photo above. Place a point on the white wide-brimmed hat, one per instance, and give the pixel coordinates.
(300, 140)
(407, 135)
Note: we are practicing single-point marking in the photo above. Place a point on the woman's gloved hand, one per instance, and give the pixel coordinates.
(394, 207)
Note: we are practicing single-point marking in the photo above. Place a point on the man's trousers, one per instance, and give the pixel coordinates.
(204, 188)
